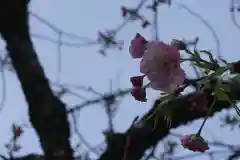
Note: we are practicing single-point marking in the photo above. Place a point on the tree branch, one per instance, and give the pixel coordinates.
(47, 113)
(132, 144)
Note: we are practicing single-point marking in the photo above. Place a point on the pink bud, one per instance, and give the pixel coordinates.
(139, 94)
(137, 81)
(137, 46)
(194, 143)
(124, 11)
(18, 131)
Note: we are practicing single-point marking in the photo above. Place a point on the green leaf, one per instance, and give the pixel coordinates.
(224, 61)
(205, 51)
(196, 57)
(164, 109)
(220, 70)
(201, 65)
(209, 54)
(221, 95)
(189, 52)
(225, 87)
(204, 64)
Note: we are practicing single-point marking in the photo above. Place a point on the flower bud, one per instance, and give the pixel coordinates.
(194, 143)
(139, 94)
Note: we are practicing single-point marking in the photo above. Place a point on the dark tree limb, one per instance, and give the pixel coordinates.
(135, 141)
(30, 157)
(46, 112)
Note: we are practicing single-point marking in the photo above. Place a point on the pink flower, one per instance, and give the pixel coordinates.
(137, 46)
(161, 64)
(139, 94)
(137, 81)
(194, 143)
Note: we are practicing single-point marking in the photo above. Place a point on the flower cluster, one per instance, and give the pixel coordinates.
(160, 63)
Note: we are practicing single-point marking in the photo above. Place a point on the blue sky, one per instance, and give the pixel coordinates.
(86, 67)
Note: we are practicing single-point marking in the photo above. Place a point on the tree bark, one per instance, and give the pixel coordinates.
(46, 112)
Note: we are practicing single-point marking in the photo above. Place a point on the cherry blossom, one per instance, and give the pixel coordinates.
(161, 64)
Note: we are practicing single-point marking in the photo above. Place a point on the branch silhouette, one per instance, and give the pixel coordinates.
(144, 137)
(49, 116)
(47, 113)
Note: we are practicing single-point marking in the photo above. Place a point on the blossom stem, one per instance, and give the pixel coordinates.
(205, 119)
(147, 85)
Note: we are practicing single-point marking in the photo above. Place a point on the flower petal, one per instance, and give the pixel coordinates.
(137, 46)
